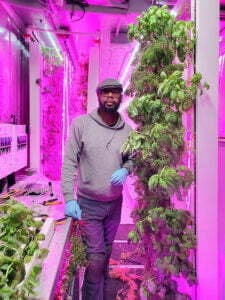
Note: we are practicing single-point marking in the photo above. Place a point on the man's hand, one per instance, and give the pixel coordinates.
(72, 209)
(119, 176)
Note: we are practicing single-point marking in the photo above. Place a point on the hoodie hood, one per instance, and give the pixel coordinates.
(97, 118)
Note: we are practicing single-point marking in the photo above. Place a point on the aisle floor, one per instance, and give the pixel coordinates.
(126, 268)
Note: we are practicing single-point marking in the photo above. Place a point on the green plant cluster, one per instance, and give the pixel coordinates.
(78, 258)
(162, 95)
(170, 243)
(75, 258)
(19, 237)
(52, 56)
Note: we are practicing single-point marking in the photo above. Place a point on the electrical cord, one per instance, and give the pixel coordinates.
(83, 11)
(82, 4)
(35, 37)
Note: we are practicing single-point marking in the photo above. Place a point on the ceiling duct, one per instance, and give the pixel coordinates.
(98, 6)
(78, 2)
(29, 4)
(105, 3)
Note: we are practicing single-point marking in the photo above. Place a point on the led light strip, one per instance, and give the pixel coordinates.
(127, 68)
(123, 77)
(52, 40)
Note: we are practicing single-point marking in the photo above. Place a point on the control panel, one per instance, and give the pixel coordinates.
(13, 148)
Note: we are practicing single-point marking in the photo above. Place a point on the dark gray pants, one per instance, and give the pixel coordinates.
(101, 221)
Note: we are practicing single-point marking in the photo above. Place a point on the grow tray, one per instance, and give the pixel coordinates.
(48, 230)
(25, 240)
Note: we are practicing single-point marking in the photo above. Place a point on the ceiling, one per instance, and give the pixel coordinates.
(83, 24)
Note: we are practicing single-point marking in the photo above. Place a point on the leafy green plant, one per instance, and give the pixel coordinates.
(19, 236)
(75, 258)
(161, 96)
(78, 249)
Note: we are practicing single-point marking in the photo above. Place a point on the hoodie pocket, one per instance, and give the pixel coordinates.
(84, 175)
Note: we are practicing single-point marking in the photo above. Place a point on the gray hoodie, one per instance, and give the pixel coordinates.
(92, 154)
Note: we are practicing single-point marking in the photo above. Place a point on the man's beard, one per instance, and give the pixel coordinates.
(109, 109)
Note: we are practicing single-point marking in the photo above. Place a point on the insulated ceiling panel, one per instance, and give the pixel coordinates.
(102, 24)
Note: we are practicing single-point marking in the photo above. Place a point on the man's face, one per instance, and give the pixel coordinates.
(109, 99)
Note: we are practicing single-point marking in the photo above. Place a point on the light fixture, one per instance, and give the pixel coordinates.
(53, 42)
(126, 81)
(128, 65)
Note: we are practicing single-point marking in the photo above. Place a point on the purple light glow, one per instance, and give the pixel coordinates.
(7, 106)
(51, 110)
(221, 160)
(63, 97)
(221, 110)
(9, 77)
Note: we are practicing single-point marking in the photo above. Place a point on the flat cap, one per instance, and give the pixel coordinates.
(109, 83)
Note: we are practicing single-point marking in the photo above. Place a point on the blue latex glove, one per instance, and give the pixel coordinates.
(119, 176)
(72, 209)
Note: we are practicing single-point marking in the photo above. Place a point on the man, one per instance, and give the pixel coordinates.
(94, 162)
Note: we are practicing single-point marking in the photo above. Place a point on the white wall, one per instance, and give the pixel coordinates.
(207, 19)
(35, 126)
(93, 78)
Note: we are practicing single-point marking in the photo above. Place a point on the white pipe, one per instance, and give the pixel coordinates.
(64, 32)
